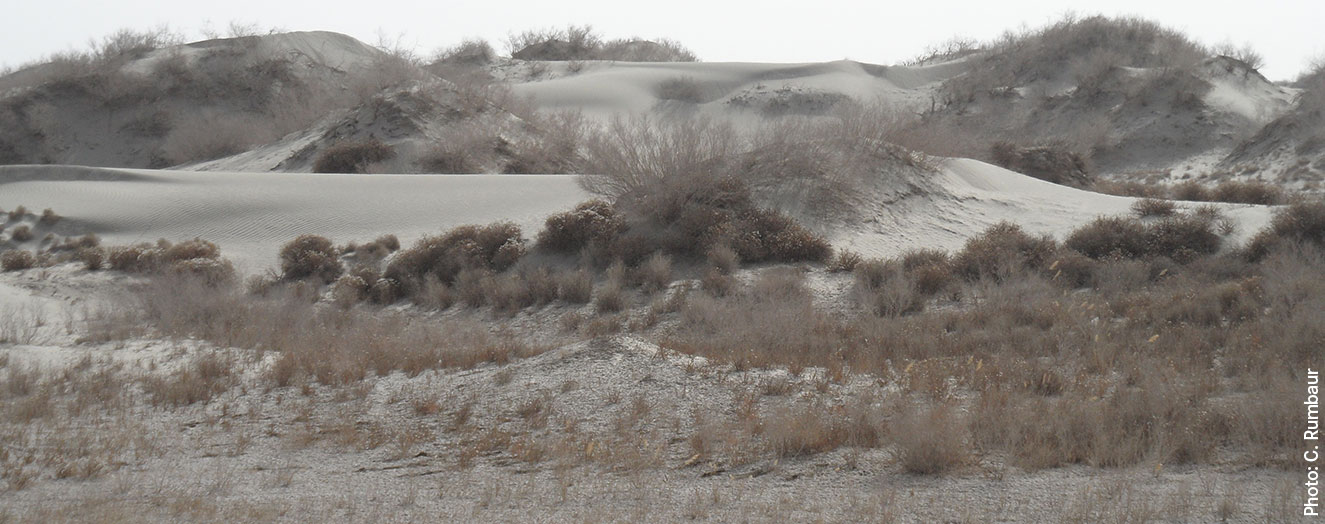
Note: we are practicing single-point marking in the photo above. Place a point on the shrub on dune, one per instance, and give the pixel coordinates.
(352, 157)
(310, 256)
(494, 247)
(17, 259)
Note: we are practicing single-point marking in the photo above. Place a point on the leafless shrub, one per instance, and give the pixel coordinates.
(48, 217)
(1001, 249)
(1247, 193)
(930, 440)
(574, 287)
(310, 256)
(471, 52)
(592, 224)
(655, 274)
(1153, 207)
(494, 247)
(352, 157)
(1054, 162)
(611, 297)
(681, 89)
(17, 260)
(21, 233)
(1300, 223)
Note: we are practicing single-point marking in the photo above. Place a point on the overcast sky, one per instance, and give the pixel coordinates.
(1286, 32)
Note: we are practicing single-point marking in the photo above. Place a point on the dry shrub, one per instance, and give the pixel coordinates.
(21, 233)
(1052, 163)
(1182, 239)
(611, 297)
(204, 377)
(91, 257)
(494, 247)
(1248, 193)
(310, 256)
(1153, 207)
(1299, 223)
(473, 52)
(574, 287)
(592, 224)
(353, 156)
(681, 89)
(723, 259)
(805, 430)
(1190, 190)
(929, 440)
(845, 261)
(655, 274)
(48, 217)
(17, 259)
(1001, 250)
(1104, 237)
(886, 290)
(349, 290)
(138, 258)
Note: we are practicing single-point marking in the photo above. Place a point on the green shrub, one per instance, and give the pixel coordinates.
(352, 157)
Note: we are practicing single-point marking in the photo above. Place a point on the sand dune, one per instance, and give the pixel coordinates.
(251, 214)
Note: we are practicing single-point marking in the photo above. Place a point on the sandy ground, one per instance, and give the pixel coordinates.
(261, 454)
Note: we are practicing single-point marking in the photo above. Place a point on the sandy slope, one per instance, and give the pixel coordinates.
(251, 214)
(966, 196)
(731, 89)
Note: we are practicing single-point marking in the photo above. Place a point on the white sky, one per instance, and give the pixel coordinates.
(1287, 32)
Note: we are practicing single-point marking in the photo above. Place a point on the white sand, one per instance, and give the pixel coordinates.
(251, 214)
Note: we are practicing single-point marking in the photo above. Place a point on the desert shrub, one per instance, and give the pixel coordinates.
(718, 283)
(886, 290)
(388, 241)
(655, 273)
(681, 89)
(1109, 237)
(610, 298)
(1073, 269)
(494, 247)
(48, 217)
(21, 233)
(349, 290)
(592, 224)
(723, 258)
(310, 256)
(208, 271)
(845, 261)
(930, 441)
(91, 257)
(1299, 223)
(352, 156)
(1248, 193)
(468, 52)
(17, 259)
(931, 270)
(768, 235)
(1000, 250)
(1052, 163)
(1182, 238)
(138, 258)
(17, 213)
(1190, 190)
(636, 50)
(575, 287)
(1153, 207)
(190, 250)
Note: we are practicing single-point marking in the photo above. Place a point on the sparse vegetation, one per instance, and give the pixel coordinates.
(352, 157)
